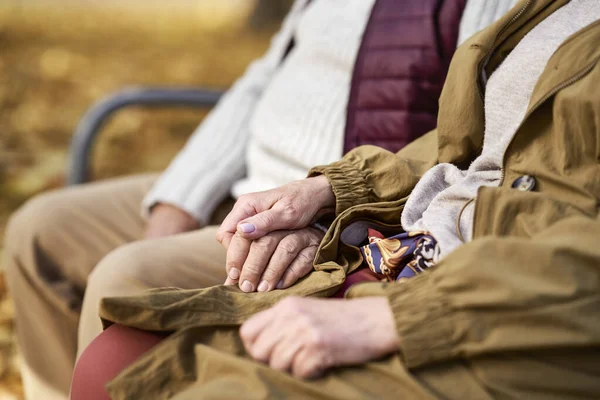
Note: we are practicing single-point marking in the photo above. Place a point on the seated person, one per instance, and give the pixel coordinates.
(67, 249)
(500, 219)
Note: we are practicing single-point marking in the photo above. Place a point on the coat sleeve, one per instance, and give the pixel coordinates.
(502, 294)
(370, 174)
(202, 174)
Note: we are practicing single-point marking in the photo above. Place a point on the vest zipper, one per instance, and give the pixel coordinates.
(490, 52)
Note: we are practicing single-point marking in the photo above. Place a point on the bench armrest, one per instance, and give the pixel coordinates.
(89, 127)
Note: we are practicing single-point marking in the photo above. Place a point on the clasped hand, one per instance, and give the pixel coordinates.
(270, 246)
(268, 241)
(274, 261)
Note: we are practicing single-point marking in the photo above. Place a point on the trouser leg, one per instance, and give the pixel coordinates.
(188, 261)
(52, 244)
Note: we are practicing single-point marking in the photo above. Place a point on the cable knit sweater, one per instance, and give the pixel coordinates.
(279, 120)
(436, 201)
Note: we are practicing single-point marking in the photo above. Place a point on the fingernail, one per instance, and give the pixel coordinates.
(247, 286)
(279, 284)
(263, 287)
(234, 273)
(247, 227)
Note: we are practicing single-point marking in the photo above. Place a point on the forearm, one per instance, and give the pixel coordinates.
(501, 294)
(370, 174)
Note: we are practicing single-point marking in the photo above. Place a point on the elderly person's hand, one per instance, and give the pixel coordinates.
(292, 206)
(276, 260)
(306, 336)
(167, 220)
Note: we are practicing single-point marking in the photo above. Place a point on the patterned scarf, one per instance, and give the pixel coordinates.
(395, 259)
(400, 256)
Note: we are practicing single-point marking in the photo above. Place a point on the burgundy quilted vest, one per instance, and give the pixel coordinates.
(400, 70)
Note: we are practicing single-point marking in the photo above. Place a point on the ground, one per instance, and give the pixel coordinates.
(56, 61)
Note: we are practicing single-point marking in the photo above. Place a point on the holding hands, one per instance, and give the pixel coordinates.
(275, 261)
(293, 206)
(270, 246)
(268, 241)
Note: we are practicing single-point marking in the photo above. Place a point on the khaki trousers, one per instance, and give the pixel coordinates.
(65, 250)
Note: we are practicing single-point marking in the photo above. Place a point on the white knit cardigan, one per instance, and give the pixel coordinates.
(280, 119)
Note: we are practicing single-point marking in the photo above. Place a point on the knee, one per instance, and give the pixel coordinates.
(114, 276)
(106, 356)
(120, 273)
(37, 219)
(31, 225)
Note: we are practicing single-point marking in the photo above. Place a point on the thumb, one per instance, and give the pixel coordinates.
(263, 223)
(247, 206)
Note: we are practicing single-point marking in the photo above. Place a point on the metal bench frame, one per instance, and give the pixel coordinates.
(89, 127)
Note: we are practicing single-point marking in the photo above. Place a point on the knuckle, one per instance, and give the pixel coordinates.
(277, 364)
(291, 274)
(246, 204)
(306, 326)
(307, 256)
(265, 242)
(317, 339)
(243, 199)
(318, 361)
(251, 271)
(315, 237)
(288, 246)
(270, 274)
(232, 264)
(291, 304)
(235, 260)
(266, 219)
(245, 332)
(306, 371)
(258, 354)
(289, 208)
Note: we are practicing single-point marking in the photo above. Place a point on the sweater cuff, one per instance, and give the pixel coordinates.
(424, 320)
(201, 214)
(349, 184)
(198, 195)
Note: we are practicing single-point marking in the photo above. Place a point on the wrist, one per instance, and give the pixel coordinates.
(174, 214)
(323, 191)
(386, 332)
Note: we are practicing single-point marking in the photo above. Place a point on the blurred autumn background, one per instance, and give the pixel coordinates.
(58, 57)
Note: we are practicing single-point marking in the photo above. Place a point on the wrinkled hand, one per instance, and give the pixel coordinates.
(276, 260)
(292, 206)
(306, 336)
(166, 220)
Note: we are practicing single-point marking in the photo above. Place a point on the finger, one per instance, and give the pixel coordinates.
(226, 240)
(286, 252)
(302, 265)
(279, 217)
(250, 329)
(268, 338)
(229, 282)
(283, 353)
(236, 256)
(229, 224)
(245, 207)
(307, 364)
(258, 257)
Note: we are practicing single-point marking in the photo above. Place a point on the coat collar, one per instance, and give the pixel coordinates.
(461, 119)
(577, 55)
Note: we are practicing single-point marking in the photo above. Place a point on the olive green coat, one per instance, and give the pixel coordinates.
(515, 313)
